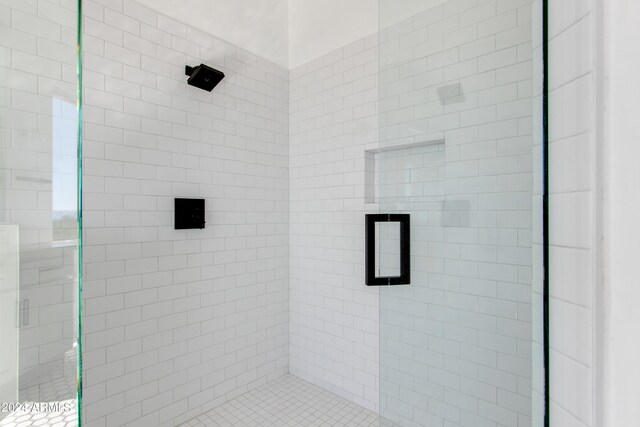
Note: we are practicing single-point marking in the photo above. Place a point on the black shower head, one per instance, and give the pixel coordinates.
(203, 76)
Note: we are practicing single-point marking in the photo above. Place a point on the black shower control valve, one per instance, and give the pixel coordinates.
(189, 214)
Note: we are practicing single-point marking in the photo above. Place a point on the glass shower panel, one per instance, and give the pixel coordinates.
(39, 213)
(456, 154)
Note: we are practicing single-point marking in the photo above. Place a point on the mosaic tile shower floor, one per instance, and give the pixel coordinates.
(53, 386)
(288, 401)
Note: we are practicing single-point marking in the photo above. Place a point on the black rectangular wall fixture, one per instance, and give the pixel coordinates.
(189, 213)
(370, 250)
(203, 76)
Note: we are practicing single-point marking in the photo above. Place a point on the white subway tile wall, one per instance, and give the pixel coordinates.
(179, 321)
(572, 216)
(333, 315)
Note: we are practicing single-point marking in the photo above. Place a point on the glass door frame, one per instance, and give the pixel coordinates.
(80, 209)
(545, 211)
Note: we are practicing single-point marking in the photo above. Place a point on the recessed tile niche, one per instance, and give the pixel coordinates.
(407, 173)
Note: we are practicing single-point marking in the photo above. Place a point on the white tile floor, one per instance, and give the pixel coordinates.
(56, 387)
(287, 401)
(53, 385)
(66, 417)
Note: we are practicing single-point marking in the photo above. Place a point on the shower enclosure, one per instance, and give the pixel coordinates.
(460, 153)
(40, 257)
(375, 216)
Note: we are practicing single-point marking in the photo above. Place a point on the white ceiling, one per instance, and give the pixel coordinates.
(317, 27)
(290, 32)
(259, 26)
